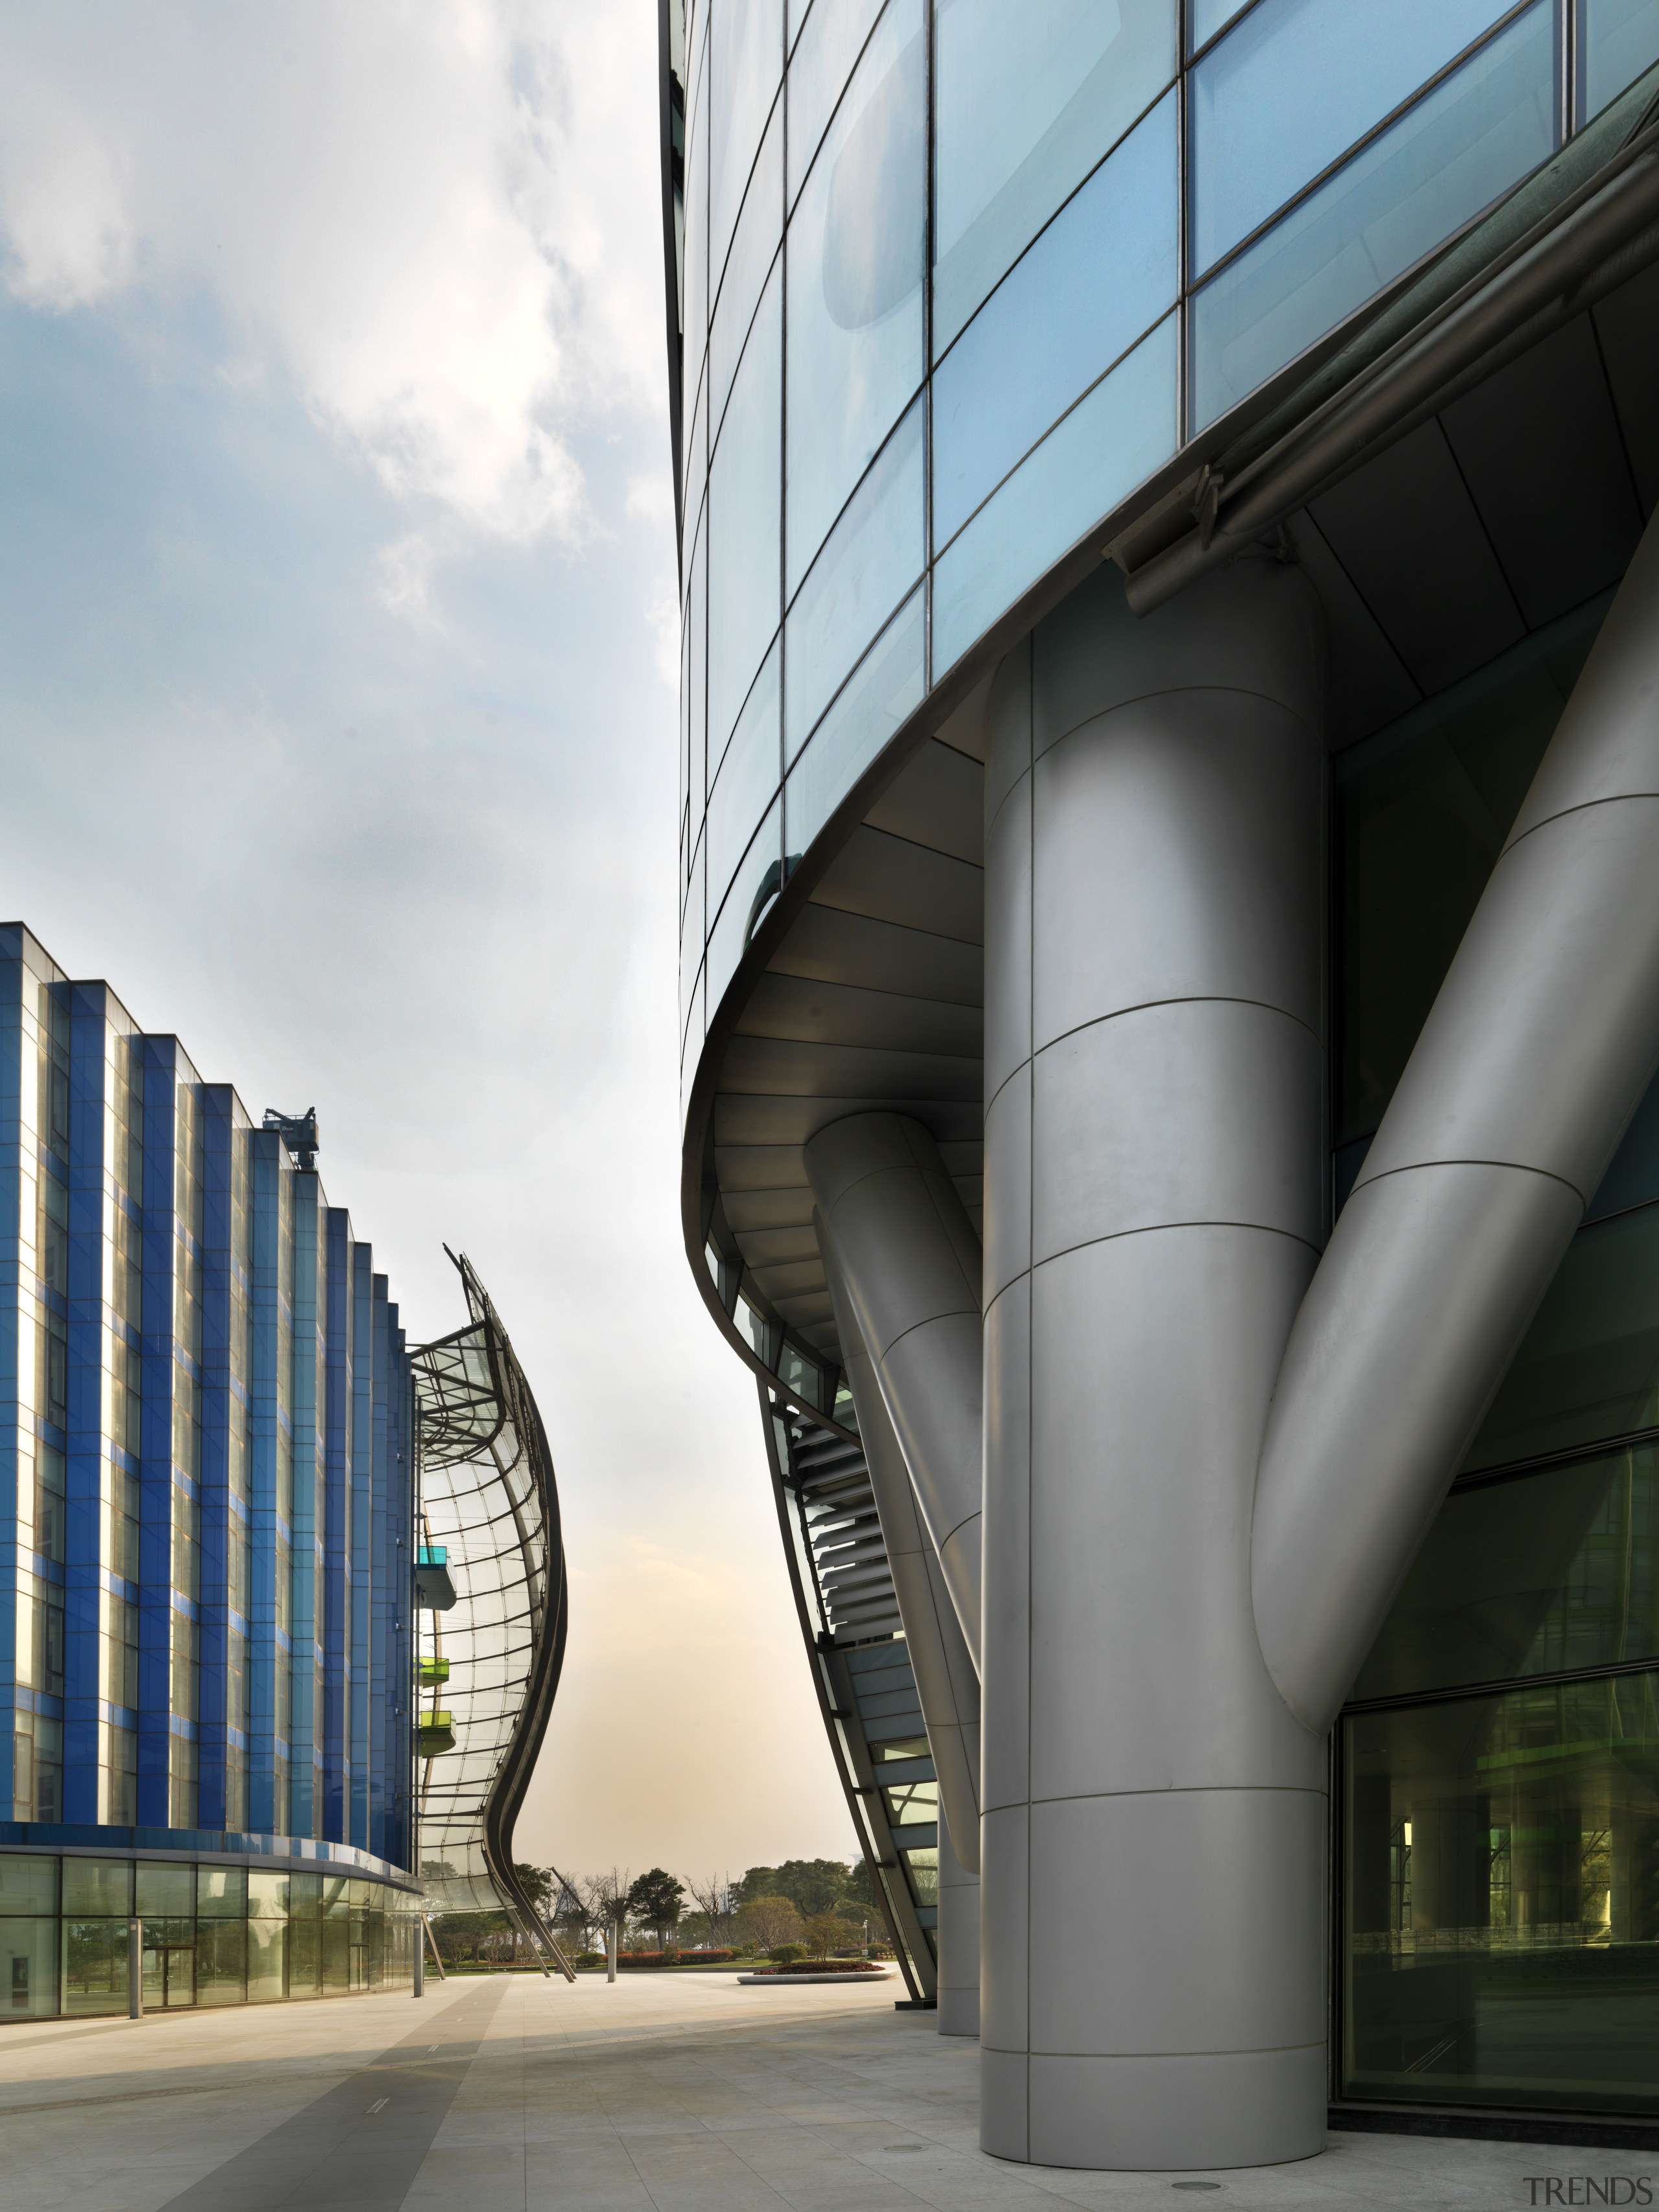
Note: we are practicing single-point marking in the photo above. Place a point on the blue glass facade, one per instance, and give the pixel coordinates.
(964, 287)
(207, 1476)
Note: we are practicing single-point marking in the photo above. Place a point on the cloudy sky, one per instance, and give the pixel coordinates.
(338, 621)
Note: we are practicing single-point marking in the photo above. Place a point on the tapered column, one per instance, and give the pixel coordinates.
(1154, 1830)
(910, 1264)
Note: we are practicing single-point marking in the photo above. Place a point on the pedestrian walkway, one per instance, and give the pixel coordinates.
(661, 2093)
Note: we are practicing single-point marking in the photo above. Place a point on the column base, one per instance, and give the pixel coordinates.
(1154, 2115)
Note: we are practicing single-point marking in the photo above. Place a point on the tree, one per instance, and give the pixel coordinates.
(826, 1934)
(712, 1895)
(768, 1921)
(606, 1896)
(861, 1888)
(810, 1885)
(655, 1897)
(536, 1882)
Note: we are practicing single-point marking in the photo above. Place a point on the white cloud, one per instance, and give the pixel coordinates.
(439, 221)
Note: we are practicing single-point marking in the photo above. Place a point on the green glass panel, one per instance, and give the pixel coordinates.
(267, 1895)
(166, 1889)
(29, 1967)
(220, 1892)
(267, 1960)
(1537, 1575)
(1423, 808)
(1501, 1899)
(1589, 1366)
(97, 1886)
(305, 1957)
(27, 1885)
(336, 1953)
(95, 1966)
(221, 1961)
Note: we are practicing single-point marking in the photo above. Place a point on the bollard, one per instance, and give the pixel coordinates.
(611, 1953)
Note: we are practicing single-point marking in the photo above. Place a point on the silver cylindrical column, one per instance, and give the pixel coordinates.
(1154, 1832)
(911, 1264)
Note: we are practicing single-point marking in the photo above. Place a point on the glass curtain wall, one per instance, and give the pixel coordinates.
(959, 279)
(1500, 1754)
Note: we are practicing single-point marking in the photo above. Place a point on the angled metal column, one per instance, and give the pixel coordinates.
(939, 1659)
(1154, 1830)
(1534, 1057)
(910, 1265)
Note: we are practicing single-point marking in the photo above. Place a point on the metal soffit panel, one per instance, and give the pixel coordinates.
(489, 1501)
(1522, 500)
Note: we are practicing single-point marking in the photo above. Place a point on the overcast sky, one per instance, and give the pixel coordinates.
(337, 618)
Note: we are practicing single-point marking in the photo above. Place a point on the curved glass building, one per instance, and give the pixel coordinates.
(228, 1488)
(1168, 988)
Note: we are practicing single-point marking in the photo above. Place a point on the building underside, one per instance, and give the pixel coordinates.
(1178, 1112)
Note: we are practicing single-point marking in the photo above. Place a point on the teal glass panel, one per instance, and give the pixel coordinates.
(1633, 1177)
(744, 490)
(1027, 102)
(1541, 1574)
(1422, 810)
(1617, 41)
(1097, 279)
(831, 43)
(1459, 150)
(696, 230)
(28, 1968)
(745, 61)
(753, 888)
(1206, 17)
(873, 556)
(691, 932)
(760, 226)
(1589, 1366)
(1293, 86)
(696, 671)
(748, 777)
(1111, 441)
(1501, 1899)
(886, 686)
(857, 240)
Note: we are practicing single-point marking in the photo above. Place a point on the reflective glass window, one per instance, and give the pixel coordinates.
(873, 556)
(834, 35)
(691, 935)
(856, 246)
(1207, 17)
(1632, 1178)
(1544, 1573)
(97, 1886)
(696, 668)
(754, 884)
(1501, 1909)
(1295, 84)
(760, 226)
(744, 489)
(1617, 41)
(28, 1968)
(1589, 1366)
(748, 777)
(1102, 273)
(885, 687)
(221, 1892)
(166, 1888)
(1477, 134)
(266, 1961)
(1027, 101)
(95, 1966)
(745, 61)
(220, 1962)
(26, 1886)
(696, 232)
(696, 455)
(267, 1895)
(1093, 458)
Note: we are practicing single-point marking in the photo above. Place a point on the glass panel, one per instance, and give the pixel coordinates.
(95, 1966)
(697, 233)
(1462, 147)
(697, 669)
(1294, 86)
(691, 937)
(759, 229)
(165, 1889)
(873, 556)
(1589, 1366)
(221, 1961)
(1108, 443)
(856, 248)
(1541, 1575)
(336, 1953)
(835, 35)
(28, 1885)
(221, 1892)
(28, 1968)
(305, 1956)
(305, 1896)
(755, 883)
(1617, 41)
(267, 1960)
(1028, 100)
(745, 61)
(1633, 1177)
(1102, 273)
(97, 1886)
(1423, 809)
(1209, 16)
(267, 1895)
(923, 1868)
(885, 688)
(745, 492)
(748, 777)
(1501, 1902)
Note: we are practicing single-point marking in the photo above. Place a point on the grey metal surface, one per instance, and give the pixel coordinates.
(1537, 1052)
(1152, 1213)
(911, 1265)
(939, 1658)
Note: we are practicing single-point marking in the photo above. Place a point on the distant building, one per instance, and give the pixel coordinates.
(1169, 978)
(214, 1543)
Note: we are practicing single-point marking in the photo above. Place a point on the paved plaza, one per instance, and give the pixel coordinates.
(689, 2094)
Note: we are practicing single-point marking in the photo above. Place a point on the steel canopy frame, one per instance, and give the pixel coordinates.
(492, 1662)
